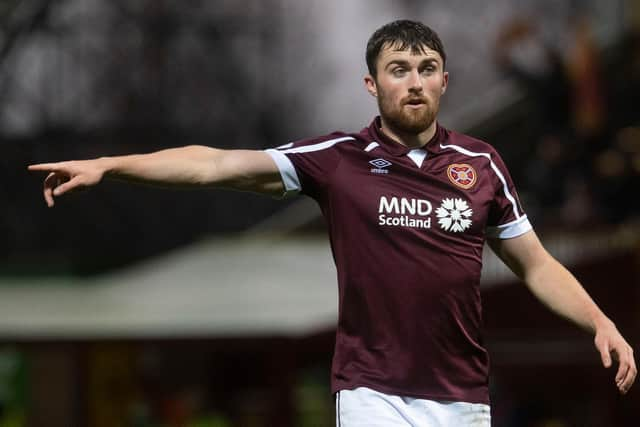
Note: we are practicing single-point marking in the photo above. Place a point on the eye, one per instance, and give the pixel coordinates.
(398, 71)
(429, 69)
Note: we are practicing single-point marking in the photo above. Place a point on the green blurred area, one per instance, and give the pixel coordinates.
(13, 393)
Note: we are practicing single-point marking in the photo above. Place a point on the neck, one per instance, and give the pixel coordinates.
(408, 139)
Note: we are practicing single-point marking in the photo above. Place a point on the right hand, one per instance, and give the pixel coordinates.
(65, 177)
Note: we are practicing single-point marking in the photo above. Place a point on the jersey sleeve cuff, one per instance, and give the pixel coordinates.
(287, 172)
(509, 230)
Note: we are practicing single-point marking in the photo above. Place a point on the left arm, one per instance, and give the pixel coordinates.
(558, 289)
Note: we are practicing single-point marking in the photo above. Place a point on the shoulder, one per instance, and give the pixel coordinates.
(465, 149)
(337, 139)
(468, 145)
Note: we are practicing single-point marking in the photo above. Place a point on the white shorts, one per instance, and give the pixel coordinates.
(363, 407)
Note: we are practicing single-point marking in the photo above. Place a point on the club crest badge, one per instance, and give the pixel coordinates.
(462, 175)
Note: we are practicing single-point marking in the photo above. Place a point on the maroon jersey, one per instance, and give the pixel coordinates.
(407, 228)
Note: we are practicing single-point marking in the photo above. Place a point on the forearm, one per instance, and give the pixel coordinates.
(191, 166)
(184, 166)
(558, 289)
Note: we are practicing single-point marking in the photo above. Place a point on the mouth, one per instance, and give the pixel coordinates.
(415, 102)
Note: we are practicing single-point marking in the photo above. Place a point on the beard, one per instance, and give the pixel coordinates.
(405, 120)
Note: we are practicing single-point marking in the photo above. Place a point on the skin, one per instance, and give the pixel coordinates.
(559, 290)
(408, 88)
(189, 166)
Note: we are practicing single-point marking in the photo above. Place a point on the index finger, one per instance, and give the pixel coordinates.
(630, 377)
(45, 167)
(623, 369)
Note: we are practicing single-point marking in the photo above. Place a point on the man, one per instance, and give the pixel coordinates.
(409, 205)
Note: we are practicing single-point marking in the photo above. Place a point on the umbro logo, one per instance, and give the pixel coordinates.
(380, 166)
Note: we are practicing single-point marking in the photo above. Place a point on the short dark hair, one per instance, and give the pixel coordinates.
(403, 34)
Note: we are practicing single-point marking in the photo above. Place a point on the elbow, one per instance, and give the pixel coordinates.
(541, 271)
(204, 164)
(212, 164)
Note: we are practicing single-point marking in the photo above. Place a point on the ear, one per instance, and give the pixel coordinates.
(370, 84)
(445, 82)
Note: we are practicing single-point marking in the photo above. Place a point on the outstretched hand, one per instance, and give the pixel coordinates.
(65, 177)
(611, 344)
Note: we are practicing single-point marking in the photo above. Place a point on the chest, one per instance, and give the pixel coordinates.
(442, 196)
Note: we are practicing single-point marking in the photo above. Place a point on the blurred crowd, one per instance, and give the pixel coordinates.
(122, 77)
(583, 127)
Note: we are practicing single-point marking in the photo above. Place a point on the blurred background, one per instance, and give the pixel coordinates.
(138, 306)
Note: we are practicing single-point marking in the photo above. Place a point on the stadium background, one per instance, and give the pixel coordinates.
(138, 306)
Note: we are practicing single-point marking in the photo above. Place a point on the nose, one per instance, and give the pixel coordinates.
(415, 82)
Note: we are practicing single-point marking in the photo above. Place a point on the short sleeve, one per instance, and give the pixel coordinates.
(506, 219)
(306, 166)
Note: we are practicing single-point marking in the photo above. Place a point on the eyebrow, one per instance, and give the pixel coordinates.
(404, 62)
